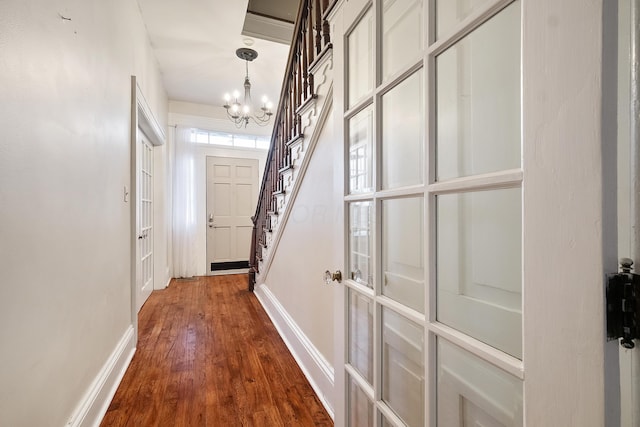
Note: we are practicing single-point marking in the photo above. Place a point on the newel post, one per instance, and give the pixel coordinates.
(253, 268)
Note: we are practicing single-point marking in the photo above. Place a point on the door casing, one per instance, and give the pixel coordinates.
(142, 120)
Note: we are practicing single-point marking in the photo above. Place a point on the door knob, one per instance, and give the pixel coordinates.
(329, 276)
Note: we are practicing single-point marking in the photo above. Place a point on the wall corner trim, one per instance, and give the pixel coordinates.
(95, 402)
(315, 367)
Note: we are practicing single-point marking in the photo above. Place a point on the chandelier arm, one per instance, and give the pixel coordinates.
(231, 117)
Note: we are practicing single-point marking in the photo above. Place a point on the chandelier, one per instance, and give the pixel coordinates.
(241, 113)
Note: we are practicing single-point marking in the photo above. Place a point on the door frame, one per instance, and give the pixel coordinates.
(142, 120)
(568, 174)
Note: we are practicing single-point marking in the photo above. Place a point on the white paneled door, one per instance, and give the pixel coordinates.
(232, 188)
(470, 188)
(144, 227)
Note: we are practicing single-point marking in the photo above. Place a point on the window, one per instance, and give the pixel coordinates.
(200, 136)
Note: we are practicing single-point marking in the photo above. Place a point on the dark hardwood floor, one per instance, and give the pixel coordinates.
(208, 355)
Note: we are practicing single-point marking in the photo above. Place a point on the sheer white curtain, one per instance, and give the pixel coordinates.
(184, 205)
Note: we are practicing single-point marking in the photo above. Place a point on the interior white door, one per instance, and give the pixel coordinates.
(462, 217)
(232, 188)
(144, 219)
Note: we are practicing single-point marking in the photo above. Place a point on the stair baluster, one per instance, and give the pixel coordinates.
(311, 37)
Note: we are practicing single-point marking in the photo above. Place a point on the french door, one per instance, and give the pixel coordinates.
(455, 240)
(144, 172)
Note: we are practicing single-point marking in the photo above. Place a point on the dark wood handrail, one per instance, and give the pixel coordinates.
(310, 38)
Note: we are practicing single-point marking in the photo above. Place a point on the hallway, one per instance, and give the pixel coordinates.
(208, 355)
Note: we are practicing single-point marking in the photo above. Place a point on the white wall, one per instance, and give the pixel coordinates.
(208, 118)
(307, 246)
(65, 292)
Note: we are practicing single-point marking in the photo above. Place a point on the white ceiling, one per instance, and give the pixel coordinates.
(195, 42)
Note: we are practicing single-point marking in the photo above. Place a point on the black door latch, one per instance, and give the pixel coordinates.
(623, 303)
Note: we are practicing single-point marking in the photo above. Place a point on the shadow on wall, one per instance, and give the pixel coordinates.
(315, 214)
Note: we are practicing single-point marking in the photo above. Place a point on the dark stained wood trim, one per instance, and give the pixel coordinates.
(232, 265)
(311, 40)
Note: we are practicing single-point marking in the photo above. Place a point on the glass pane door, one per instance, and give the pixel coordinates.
(476, 206)
(434, 210)
(477, 144)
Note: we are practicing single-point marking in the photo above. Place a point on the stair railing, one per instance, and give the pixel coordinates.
(311, 40)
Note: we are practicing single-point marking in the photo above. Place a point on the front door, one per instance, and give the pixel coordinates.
(474, 218)
(144, 219)
(232, 185)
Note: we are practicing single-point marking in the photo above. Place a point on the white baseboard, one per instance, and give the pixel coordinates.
(95, 403)
(315, 367)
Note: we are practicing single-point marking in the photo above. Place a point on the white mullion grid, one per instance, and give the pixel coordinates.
(498, 358)
(349, 198)
(351, 371)
(489, 181)
(358, 107)
(141, 193)
(409, 313)
(362, 289)
(391, 416)
(361, 382)
(150, 164)
(148, 202)
(359, 197)
(380, 301)
(466, 26)
(377, 241)
(401, 192)
(435, 329)
(351, 111)
(395, 80)
(346, 160)
(430, 348)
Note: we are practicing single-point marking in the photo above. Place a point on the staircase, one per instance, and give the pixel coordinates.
(304, 105)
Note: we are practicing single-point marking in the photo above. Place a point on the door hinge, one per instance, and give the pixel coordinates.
(623, 302)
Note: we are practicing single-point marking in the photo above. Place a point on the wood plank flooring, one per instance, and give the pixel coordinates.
(208, 355)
